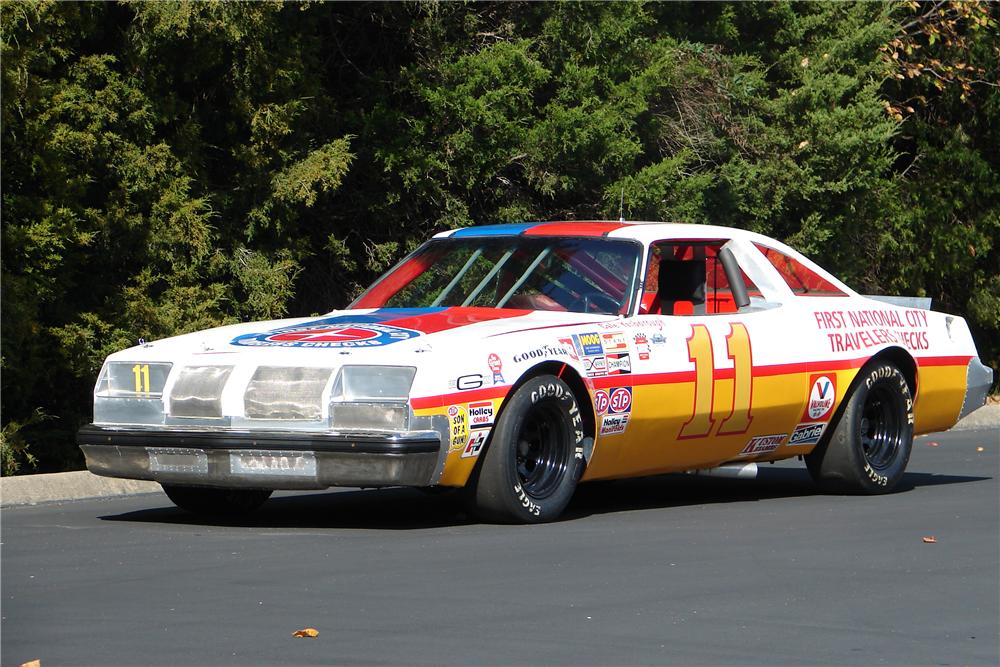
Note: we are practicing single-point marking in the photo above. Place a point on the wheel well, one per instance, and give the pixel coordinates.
(567, 374)
(902, 359)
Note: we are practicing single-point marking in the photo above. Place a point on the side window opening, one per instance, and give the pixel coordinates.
(802, 280)
(688, 278)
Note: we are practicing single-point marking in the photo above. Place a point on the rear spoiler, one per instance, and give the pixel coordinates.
(923, 303)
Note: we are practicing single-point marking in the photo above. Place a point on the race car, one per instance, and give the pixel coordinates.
(515, 361)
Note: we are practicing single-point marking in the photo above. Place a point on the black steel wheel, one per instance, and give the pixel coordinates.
(870, 445)
(534, 457)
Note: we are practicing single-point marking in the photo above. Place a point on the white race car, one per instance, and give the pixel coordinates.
(515, 361)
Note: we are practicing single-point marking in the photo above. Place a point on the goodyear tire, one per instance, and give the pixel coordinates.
(870, 445)
(216, 502)
(534, 458)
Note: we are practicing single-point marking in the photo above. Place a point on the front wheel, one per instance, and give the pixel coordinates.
(216, 502)
(535, 457)
(870, 446)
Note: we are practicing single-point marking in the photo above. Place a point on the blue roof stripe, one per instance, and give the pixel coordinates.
(495, 230)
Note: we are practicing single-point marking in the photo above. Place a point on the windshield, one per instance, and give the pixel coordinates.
(581, 275)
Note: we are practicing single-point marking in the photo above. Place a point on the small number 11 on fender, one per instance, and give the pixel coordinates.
(737, 418)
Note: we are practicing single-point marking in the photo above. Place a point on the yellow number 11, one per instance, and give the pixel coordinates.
(141, 374)
(738, 419)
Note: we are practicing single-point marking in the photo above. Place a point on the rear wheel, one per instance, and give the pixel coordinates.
(216, 502)
(534, 458)
(870, 445)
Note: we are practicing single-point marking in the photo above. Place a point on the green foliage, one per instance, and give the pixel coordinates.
(14, 449)
(171, 166)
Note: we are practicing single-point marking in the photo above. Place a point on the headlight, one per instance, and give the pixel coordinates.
(130, 393)
(372, 398)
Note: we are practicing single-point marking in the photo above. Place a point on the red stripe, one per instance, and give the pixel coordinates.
(680, 377)
(944, 361)
(425, 402)
(573, 229)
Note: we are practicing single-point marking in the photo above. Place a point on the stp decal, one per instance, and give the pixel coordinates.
(620, 400)
(822, 396)
(601, 401)
(328, 333)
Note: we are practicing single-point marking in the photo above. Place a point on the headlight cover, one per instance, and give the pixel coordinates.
(130, 392)
(371, 398)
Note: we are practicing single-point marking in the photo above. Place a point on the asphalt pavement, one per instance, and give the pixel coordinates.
(671, 570)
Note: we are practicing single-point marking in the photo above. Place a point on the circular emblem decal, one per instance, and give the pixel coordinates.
(601, 401)
(821, 397)
(327, 334)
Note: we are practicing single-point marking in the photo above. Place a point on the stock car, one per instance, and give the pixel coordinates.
(515, 361)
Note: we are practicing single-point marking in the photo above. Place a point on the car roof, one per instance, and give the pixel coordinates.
(638, 230)
(642, 231)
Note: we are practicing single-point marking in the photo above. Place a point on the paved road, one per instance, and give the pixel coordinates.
(671, 570)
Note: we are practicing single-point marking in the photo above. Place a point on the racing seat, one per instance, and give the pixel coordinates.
(680, 288)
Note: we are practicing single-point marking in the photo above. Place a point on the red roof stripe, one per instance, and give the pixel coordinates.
(573, 229)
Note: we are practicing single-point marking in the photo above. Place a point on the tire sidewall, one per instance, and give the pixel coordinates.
(845, 463)
(499, 493)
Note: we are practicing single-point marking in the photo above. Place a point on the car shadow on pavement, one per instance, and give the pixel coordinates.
(412, 509)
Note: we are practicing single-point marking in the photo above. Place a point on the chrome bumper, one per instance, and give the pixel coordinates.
(979, 378)
(262, 459)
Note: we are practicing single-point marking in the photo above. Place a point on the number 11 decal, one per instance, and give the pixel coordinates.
(737, 419)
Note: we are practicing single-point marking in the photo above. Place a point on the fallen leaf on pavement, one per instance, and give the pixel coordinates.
(932, 444)
(32, 663)
(306, 632)
(930, 539)
(980, 449)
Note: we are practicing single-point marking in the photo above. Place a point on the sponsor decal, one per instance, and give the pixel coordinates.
(476, 441)
(763, 444)
(658, 339)
(620, 400)
(570, 348)
(807, 434)
(822, 396)
(619, 364)
(496, 366)
(614, 424)
(601, 401)
(466, 382)
(588, 344)
(333, 333)
(595, 366)
(642, 346)
(458, 418)
(614, 342)
(852, 330)
(481, 414)
(541, 353)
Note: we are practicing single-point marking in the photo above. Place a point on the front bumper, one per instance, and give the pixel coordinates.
(262, 459)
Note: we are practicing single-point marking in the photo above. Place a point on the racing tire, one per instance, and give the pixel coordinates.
(207, 501)
(534, 458)
(870, 445)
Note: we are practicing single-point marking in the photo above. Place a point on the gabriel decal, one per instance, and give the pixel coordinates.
(327, 334)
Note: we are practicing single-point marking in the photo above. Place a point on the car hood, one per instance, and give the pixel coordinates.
(384, 334)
